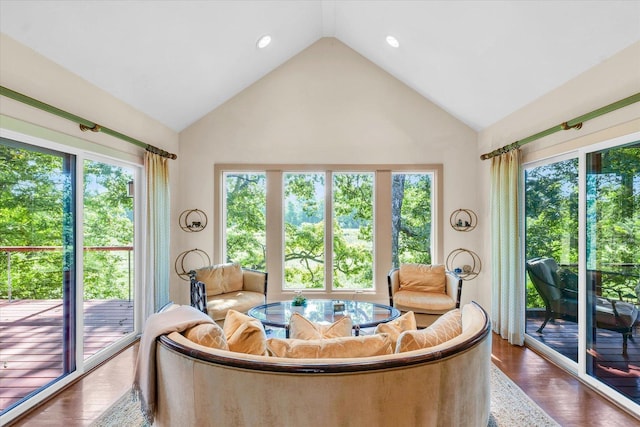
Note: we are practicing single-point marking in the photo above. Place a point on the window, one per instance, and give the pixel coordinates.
(411, 218)
(304, 230)
(352, 210)
(327, 230)
(245, 225)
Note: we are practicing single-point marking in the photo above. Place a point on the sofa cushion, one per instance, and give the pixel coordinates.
(302, 328)
(406, 322)
(244, 334)
(447, 327)
(605, 315)
(242, 301)
(208, 335)
(422, 277)
(342, 347)
(221, 278)
(423, 302)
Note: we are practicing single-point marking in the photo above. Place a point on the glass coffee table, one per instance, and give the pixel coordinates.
(363, 314)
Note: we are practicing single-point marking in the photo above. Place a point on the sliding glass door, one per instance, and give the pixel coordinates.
(551, 235)
(108, 256)
(613, 267)
(37, 245)
(582, 243)
(67, 282)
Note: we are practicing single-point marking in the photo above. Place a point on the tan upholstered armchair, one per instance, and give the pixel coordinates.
(427, 290)
(219, 288)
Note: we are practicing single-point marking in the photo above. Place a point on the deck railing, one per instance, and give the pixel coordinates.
(8, 250)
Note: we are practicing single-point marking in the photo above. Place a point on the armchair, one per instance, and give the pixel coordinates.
(558, 289)
(427, 290)
(218, 288)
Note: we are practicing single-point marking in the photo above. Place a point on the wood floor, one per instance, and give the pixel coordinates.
(562, 396)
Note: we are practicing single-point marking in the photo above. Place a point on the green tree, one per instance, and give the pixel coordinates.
(246, 221)
(32, 185)
(305, 225)
(411, 218)
(108, 222)
(36, 210)
(551, 217)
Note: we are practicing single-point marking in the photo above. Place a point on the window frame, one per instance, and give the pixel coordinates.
(382, 261)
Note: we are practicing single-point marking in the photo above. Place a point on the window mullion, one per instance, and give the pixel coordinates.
(328, 231)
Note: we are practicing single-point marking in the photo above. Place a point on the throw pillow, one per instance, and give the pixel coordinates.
(342, 347)
(422, 278)
(448, 326)
(208, 335)
(221, 278)
(244, 334)
(406, 322)
(302, 328)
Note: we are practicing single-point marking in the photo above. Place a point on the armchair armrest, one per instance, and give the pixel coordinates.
(393, 281)
(198, 295)
(453, 285)
(254, 281)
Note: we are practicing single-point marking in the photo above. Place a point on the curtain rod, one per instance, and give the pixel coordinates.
(85, 124)
(571, 124)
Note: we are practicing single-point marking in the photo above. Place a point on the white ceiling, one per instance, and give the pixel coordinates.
(178, 60)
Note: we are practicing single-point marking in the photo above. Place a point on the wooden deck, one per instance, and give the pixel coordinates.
(31, 353)
(621, 372)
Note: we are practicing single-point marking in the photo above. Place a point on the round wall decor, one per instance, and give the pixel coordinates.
(463, 220)
(190, 260)
(193, 220)
(464, 263)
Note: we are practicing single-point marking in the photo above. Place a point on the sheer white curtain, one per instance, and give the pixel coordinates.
(158, 227)
(508, 289)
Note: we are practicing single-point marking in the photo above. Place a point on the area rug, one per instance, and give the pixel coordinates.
(510, 407)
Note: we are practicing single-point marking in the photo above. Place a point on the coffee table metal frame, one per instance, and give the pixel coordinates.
(364, 314)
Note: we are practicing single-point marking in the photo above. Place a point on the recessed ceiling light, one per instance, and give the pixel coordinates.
(264, 41)
(392, 41)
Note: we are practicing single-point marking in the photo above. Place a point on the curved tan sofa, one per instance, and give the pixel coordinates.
(446, 385)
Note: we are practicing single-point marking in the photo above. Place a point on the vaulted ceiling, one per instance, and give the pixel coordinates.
(178, 60)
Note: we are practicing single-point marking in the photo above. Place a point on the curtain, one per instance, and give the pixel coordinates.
(158, 229)
(508, 288)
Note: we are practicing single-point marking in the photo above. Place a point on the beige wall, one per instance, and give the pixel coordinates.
(615, 78)
(25, 71)
(329, 105)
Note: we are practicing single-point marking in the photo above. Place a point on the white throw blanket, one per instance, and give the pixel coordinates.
(144, 382)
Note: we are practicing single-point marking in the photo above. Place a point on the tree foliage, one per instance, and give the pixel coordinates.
(304, 225)
(612, 219)
(36, 210)
(246, 219)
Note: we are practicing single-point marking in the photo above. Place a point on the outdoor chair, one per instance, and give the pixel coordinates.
(427, 290)
(558, 288)
(219, 288)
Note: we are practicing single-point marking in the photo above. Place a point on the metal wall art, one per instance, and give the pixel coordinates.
(191, 260)
(464, 263)
(463, 220)
(193, 220)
